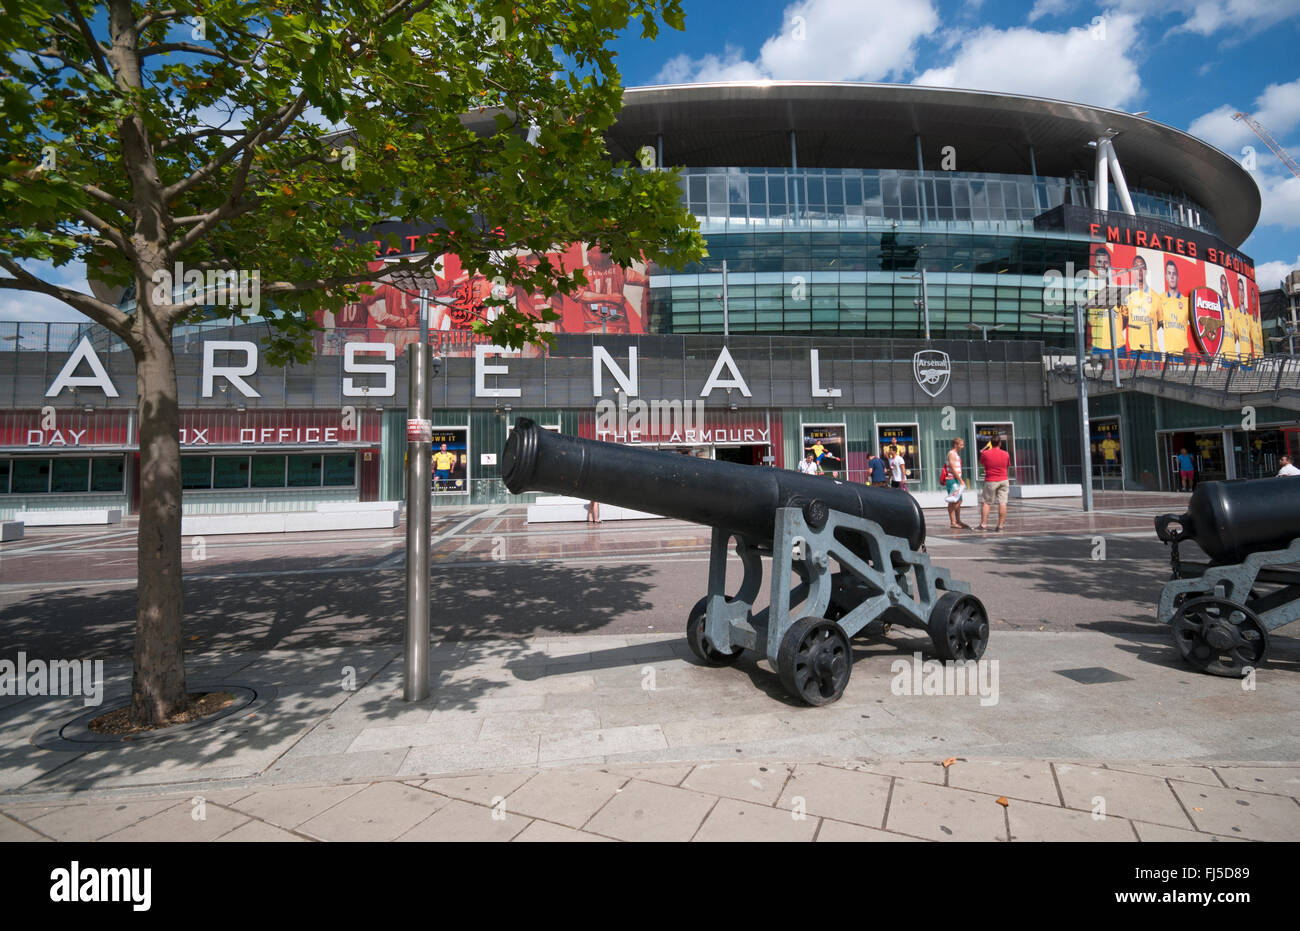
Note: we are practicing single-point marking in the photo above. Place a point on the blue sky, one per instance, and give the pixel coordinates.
(1190, 63)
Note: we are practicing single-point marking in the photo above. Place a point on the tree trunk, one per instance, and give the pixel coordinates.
(158, 681)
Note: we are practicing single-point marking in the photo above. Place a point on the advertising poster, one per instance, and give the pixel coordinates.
(450, 460)
(904, 437)
(825, 443)
(986, 437)
(1150, 292)
(1107, 454)
(614, 300)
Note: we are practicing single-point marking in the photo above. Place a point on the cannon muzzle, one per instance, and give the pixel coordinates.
(1231, 520)
(741, 499)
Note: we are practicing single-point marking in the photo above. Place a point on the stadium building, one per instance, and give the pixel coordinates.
(901, 266)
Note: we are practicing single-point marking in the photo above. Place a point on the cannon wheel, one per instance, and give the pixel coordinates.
(700, 645)
(1220, 637)
(815, 660)
(959, 627)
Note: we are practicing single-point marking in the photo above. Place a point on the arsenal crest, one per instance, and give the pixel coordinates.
(932, 369)
(1205, 316)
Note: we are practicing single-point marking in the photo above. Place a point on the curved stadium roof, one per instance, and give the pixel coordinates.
(841, 125)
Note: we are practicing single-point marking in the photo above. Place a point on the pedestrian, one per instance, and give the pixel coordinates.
(996, 462)
(877, 470)
(808, 465)
(954, 484)
(898, 468)
(593, 512)
(1287, 467)
(1186, 469)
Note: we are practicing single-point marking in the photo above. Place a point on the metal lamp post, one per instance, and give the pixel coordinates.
(419, 494)
(1085, 428)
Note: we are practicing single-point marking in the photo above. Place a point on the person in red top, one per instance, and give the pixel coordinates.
(995, 461)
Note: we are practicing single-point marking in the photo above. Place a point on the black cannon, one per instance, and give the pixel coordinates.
(1221, 610)
(857, 551)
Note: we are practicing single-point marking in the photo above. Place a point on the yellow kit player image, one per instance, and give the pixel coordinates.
(1233, 347)
(1139, 316)
(1171, 325)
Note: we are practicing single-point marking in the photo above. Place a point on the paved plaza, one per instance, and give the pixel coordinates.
(578, 712)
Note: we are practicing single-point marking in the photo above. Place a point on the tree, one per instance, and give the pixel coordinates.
(147, 138)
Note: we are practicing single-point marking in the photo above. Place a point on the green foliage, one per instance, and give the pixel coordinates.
(437, 99)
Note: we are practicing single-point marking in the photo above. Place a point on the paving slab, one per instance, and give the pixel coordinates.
(257, 832)
(1235, 813)
(832, 831)
(1029, 781)
(381, 811)
(337, 767)
(937, 813)
(1125, 795)
(733, 820)
(480, 755)
(177, 823)
(568, 797)
(479, 789)
(600, 741)
(1203, 775)
(460, 821)
(546, 833)
(1031, 821)
(1163, 833)
(666, 774)
(646, 811)
(518, 725)
(12, 831)
(291, 806)
(92, 821)
(761, 783)
(904, 769)
(1274, 779)
(831, 792)
(461, 728)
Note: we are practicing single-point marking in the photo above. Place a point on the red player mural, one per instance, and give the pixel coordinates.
(612, 301)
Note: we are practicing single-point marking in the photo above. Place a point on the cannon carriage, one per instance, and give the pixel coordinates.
(857, 552)
(1221, 610)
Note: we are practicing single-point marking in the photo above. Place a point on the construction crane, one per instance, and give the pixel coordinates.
(1269, 141)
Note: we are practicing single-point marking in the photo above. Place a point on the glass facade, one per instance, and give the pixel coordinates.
(856, 197)
(60, 475)
(840, 251)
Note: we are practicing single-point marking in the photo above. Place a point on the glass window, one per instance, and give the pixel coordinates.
(340, 469)
(268, 472)
(106, 474)
(230, 472)
(31, 476)
(304, 471)
(4, 476)
(70, 475)
(196, 471)
(776, 189)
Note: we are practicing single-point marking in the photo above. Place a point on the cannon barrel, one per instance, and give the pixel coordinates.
(1231, 520)
(739, 498)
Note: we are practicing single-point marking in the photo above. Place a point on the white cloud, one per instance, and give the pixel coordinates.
(1085, 64)
(729, 66)
(1206, 17)
(1268, 274)
(841, 41)
(822, 40)
(1277, 109)
(1049, 8)
(1279, 192)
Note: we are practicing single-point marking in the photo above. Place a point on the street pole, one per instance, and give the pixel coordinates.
(419, 450)
(726, 334)
(925, 304)
(1114, 346)
(1084, 428)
